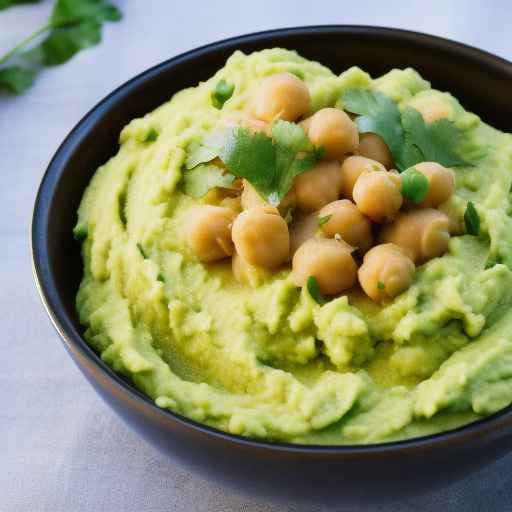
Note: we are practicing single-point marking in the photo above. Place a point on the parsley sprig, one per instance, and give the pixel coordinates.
(410, 139)
(73, 26)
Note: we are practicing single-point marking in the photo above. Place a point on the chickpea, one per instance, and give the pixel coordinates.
(332, 129)
(441, 183)
(431, 108)
(233, 203)
(303, 228)
(250, 197)
(318, 187)
(261, 237)
(352, 168)
(386, 272)
(329, 261)
(346, 220)
(423, 234)
(373, 146)
(282, 96)
(209, 232)
(377, 195)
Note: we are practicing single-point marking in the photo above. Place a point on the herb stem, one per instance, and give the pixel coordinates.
(25, 42)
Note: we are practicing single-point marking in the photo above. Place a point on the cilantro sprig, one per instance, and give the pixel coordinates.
(269, 163)
(410, 139)
(198, 181)
(73, 26)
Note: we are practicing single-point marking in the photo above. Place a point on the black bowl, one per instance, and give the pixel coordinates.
(308, 474)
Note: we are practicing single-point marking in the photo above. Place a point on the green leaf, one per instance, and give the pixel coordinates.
(377, 114)
(198, 181)
(221, 93)
(63, 43)
(72, 12)
(322, 220)
(432, 142)
(4, 4)
(269, 165)
(206, 150)
(381, 285)
(15, 79)
(415, 185)
(141, 250)
(314, 290)
(151, 136)
(472, 220)
(80, 232)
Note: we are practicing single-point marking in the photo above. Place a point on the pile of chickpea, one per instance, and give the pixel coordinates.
(347, 208)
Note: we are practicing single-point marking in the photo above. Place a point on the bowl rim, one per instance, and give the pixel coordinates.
(75, 343)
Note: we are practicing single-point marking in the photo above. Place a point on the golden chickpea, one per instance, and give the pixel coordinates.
(261, 237)
(441, 183)
(332, 129)
(377, 195)
(303, 228)
(250, 197)
(423, 234)
(431, 108)
(281, 96)
(329, 261)
(318, 187)
(386, 272)
(351, 168)
(209, 232)
(345, 219)
(373, 146)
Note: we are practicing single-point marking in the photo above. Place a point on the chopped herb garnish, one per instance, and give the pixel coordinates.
(298, 73)
(314, 289)
(141, 250)
(206, 150)
(160, 278)
(221, 93)
(269, 163)
(152, 135)
(410, 139)
(381, 285)
(4, 4)
(73, 26)
(472, 220)
(198, 181)
(415, 185)
(322, 220)
(80, 233)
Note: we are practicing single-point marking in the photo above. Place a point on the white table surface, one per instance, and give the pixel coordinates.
(61, 447)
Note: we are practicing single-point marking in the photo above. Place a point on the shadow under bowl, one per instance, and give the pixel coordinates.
(313, 475)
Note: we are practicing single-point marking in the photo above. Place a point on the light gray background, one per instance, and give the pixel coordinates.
(61, 447)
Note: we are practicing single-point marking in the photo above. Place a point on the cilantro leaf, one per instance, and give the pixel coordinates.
(381, 285)
(410, 139)
(63, 43)
(314, 290)
(73, 26)
(72, 12)
(221, 93)
(377, 114)
(323, 220)
(432, 142)
(472, 220)
(206, 150)
(4, 4)
(198, 181)
(269, 164)
(15, 79)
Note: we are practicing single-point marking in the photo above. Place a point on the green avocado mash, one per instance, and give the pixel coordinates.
(268, 361)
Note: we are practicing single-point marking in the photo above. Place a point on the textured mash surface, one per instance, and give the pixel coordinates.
(268, 361)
